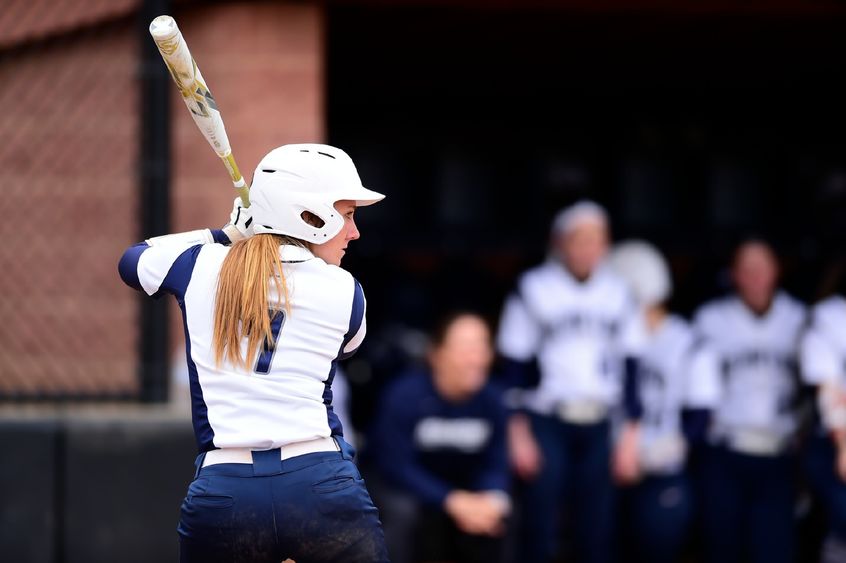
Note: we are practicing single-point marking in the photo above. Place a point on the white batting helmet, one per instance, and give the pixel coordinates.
(645, 270)
(292, 179)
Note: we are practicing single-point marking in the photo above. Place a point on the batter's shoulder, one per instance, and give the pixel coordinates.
(334, 279)
(335, 274)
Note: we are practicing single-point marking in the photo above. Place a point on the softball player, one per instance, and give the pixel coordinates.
(440, 437)
(748, 482)
(266, 320)
(567, 315)
(823, 360)
(674, 372)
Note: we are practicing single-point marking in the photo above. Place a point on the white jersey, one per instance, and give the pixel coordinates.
(676, 371)
(573, 329)
(758, 360)
(286, 396)
(823, 350)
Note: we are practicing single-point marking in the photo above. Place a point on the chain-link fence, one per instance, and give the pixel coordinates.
(70, 136)
(88, 170)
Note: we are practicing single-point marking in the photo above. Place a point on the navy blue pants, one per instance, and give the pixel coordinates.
(658, 513)
(575, 473)
(311, 508)
(819, 459)
(748, 504)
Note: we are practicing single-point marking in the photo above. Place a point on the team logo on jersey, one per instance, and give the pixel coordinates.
(468, 435)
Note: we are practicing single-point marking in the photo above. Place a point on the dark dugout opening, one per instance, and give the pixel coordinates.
(694, 126)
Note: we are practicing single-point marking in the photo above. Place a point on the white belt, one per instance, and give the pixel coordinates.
(755, 442)
(245, 455)
(582, 412)
(664, 454)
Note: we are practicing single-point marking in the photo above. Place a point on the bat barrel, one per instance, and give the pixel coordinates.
(196, 95)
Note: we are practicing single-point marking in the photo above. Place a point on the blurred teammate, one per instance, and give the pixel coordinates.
(440, 438)
(266, 319)
(749, 474)
(823, 359)
(566, 315)
(673, 372)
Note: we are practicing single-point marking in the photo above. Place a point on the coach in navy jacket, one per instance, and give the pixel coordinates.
(440, 437)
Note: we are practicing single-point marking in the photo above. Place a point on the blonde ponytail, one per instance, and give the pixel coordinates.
(241, 305)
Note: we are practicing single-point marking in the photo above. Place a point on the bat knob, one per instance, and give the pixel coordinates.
(163, 27)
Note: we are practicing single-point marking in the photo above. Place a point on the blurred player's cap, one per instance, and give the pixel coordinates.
(292, 179)
(645, 270)
(578, 214)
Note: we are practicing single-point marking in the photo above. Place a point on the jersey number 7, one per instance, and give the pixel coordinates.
(277, 319)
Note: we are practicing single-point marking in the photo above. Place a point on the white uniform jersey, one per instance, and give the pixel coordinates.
(758, 361)
(286, 395)
(823, 350)
(676, 371)
(573, 330)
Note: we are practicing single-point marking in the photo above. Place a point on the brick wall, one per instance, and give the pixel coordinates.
(70, 124)
(69, 127)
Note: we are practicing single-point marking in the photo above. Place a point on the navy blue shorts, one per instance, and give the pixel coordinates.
(312, 508)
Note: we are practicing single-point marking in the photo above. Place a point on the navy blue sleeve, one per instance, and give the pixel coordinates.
(695, 424)
(356, 320)
(179, 275)
(632, 402)
(496, 475)
(517, 374)
(394, 446)
(128, 265)
(220, 237)
(174, 273)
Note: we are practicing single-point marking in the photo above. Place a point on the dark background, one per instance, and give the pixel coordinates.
(695, 128)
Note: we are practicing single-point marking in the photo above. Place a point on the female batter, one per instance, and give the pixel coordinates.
(266, 320)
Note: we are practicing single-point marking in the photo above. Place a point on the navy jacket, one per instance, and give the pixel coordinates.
(429, 446)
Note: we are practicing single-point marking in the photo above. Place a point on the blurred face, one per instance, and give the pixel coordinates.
(460, 364)
(333, 250)
(583, 247)
(755, 273)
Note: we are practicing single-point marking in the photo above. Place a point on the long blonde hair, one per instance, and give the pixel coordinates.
(242, 307)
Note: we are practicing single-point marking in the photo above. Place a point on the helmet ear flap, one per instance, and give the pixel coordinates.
(321, 221)
(312, 219)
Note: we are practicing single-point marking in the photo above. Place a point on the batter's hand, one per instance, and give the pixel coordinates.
(240, 224)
